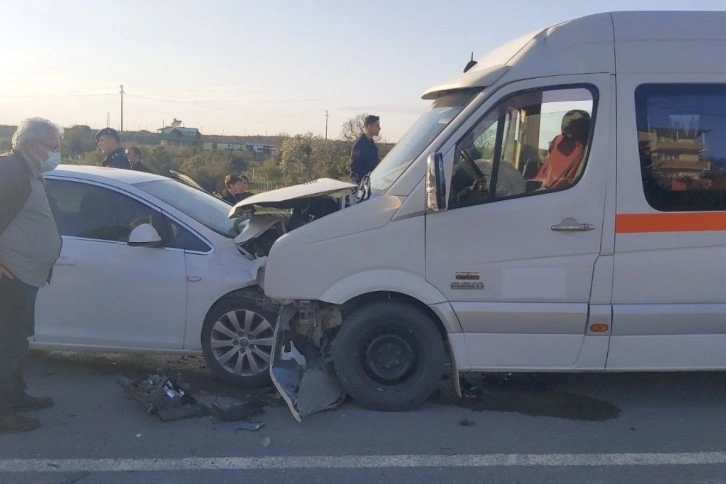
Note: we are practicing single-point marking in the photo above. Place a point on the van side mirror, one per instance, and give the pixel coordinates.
(435, 182)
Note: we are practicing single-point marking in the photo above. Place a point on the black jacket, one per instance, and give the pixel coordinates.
(140, 167)
(117, 159)
(15, 187)
(363, 158)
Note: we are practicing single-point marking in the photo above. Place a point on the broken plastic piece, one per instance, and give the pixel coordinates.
(306, 381)
(159, 396)
(250, 426)
(230, 409)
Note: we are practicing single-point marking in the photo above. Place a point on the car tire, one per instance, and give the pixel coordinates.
(237, 341)
(389, 356)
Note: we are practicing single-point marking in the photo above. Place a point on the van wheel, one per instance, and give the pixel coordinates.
(389, 356)
(237, 341)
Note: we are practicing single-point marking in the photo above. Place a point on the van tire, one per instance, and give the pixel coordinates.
(389, 356)
(249, 345)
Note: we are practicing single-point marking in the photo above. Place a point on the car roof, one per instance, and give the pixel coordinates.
(102, 173)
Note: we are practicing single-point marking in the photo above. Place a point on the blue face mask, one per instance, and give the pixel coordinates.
(51, 163)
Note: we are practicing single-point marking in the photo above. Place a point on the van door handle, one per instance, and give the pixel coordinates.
(570, 227)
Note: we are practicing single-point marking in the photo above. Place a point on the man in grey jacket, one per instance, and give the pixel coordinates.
(29, 246)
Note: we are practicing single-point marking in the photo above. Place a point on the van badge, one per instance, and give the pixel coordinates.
(467, 285)
(467, 276)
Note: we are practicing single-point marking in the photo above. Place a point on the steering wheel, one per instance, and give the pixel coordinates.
(480, 180)
(478, 188)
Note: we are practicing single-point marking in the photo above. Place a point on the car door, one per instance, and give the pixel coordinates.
(515, 255)
(104, 292)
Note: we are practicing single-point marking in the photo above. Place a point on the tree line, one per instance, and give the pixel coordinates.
(301, 158)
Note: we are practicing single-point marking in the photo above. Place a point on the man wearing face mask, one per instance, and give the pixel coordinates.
(29, 246)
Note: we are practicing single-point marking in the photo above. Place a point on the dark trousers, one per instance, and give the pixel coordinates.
(17, 323)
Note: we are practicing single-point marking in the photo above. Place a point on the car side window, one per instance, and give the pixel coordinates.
(181, 238)
(94, 212)
(530, 143)
(681, 140)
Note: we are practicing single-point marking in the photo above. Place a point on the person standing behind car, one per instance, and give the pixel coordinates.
(233, 185)
(242, 192)
(29, 246)
(110, 145)
(364, 153)
(134, 156)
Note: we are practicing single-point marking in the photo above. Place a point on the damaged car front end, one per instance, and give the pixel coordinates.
(301, 367)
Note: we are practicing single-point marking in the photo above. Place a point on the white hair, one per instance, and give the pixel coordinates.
(33, 129)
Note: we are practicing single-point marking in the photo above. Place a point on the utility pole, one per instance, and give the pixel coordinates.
(122, 108)
(108, 119)
(326, 125)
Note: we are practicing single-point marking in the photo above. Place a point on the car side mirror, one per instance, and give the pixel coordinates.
(144, 235)
(435, 182)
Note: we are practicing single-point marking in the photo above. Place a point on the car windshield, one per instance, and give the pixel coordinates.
(419, 136)
(201, 206)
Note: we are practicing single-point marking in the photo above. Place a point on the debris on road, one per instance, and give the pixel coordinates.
(251, 426)
(160, 396)
(233, 409)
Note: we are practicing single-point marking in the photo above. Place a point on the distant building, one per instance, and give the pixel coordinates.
(676, 156)
(181, 137)
(255, 147)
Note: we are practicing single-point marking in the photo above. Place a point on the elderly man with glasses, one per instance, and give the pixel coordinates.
(29, 246)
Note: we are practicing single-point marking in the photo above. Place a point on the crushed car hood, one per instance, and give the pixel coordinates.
(257, 225)
(285, 197)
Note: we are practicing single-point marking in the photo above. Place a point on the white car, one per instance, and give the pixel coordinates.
(150, 264)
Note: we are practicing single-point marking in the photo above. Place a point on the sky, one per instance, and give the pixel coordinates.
(263, 67)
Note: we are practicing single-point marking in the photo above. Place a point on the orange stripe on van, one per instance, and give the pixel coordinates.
(636, 223)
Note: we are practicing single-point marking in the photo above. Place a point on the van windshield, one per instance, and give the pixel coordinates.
(419, 136)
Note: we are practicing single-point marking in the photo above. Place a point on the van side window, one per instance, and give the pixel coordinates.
(682, 145)
(531, 143)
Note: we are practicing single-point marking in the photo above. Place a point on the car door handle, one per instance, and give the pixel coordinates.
(570, 227)
(65, 261)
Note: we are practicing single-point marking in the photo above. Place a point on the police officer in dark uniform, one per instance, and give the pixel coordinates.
(364, 154)
(110, 145)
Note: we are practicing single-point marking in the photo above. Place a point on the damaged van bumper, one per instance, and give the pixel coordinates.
(301, 371)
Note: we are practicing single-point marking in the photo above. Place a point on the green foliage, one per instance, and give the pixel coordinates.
(239, 164)
(301, 158)
(77, 141)
(352, 128)
(271, 171)
(308, 157)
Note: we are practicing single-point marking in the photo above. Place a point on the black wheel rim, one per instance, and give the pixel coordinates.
(390, 356)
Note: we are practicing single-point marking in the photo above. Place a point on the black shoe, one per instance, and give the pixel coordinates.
(14, 422)
(26, 403)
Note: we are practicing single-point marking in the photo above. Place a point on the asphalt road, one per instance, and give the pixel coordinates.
(665, 428)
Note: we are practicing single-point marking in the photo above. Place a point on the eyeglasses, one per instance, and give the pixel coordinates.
(49, 149)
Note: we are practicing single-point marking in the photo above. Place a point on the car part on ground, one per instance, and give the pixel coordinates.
(160, 396)
(230, 409)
